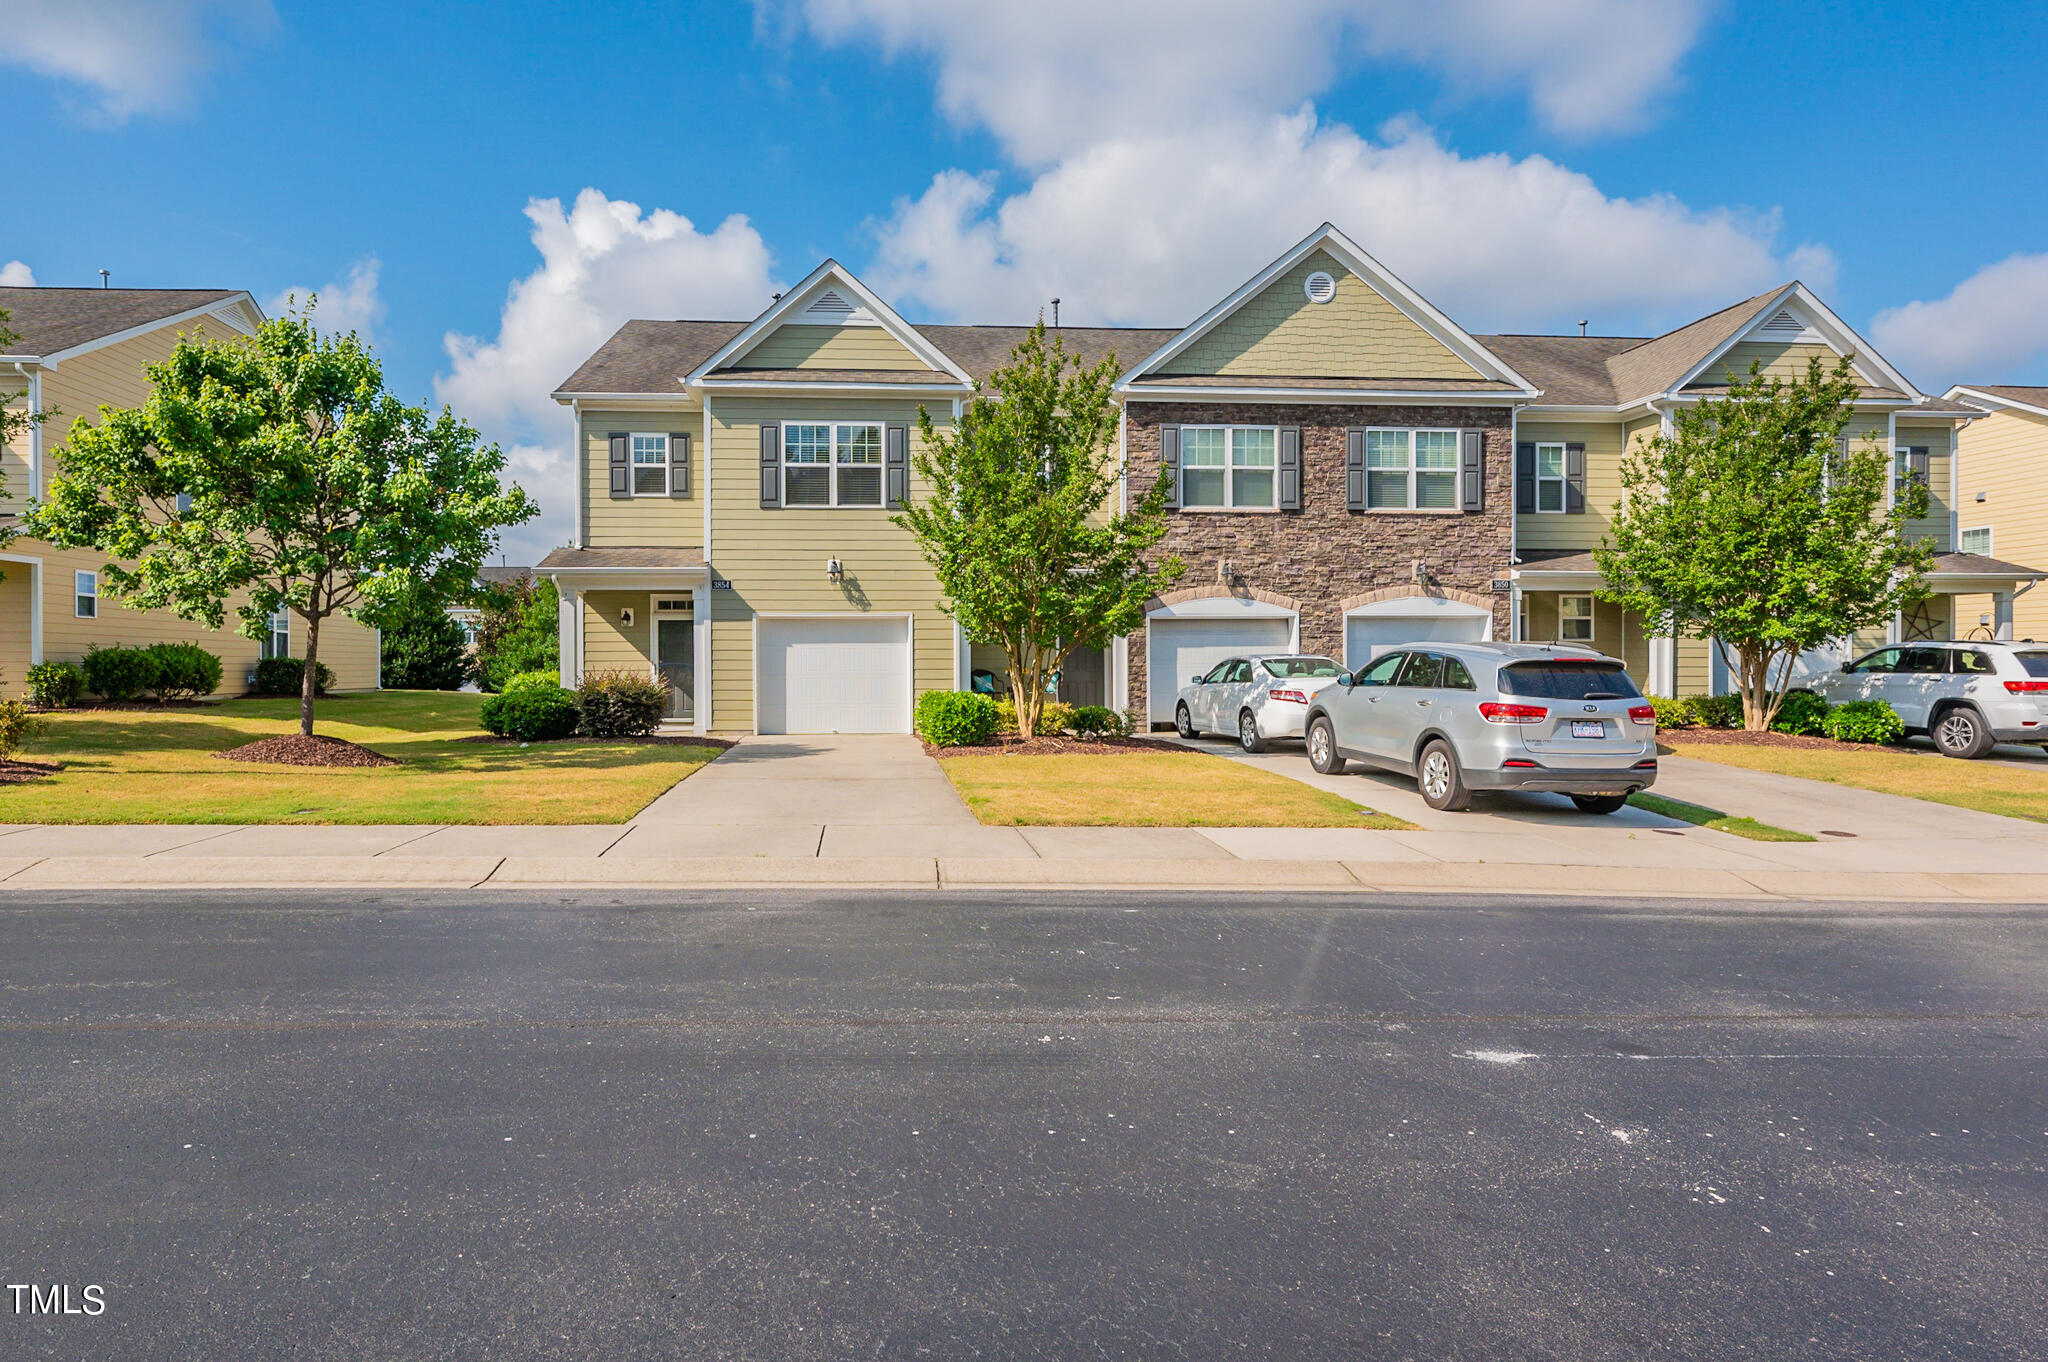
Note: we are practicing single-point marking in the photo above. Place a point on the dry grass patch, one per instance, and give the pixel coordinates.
(1146, 790)
(1988, 787)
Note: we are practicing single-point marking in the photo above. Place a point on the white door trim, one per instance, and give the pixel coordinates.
(35, 604)
(908, 617)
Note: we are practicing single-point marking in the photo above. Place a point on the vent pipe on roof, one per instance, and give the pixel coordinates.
(1055, 314)
(1582, 325)
(103, 278)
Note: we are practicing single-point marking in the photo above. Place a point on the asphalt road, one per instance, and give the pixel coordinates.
(830, 1126)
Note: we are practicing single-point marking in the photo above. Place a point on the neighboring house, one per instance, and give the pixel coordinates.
(467, 615)
(2003, 510)
(81, 349)
(1350, 470)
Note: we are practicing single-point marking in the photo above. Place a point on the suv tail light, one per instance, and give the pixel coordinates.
(1494, 712)
(1292, 696)
(1643, 714)
(2026, 687)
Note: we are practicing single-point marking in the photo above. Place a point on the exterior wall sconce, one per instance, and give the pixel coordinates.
(626, 617)
(834, 572)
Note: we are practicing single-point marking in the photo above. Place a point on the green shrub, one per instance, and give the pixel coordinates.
(424, 649)
(531, 713)
(56, 685)
(184, 671)
(617, 704)
(1801, 711)
(17, 726)
(1674, 712)
(1863, 721)
(1098, 721)
(540, 680)
(1717, 711)
(956, 718)
(1053, 717)
(517, 630)
(284, 676)
(119, 674)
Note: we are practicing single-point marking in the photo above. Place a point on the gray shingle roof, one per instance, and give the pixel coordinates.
(52, 320)
(1420, 385)
(2017, 392)
(621, 558)
(1977, 565)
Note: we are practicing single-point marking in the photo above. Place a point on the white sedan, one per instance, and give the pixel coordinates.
(1257, 698)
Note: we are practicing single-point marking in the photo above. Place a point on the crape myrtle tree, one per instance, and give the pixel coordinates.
(1019, 519)
(274, 470)
(1753, 523)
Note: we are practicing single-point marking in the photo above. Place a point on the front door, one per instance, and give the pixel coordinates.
(675, 653)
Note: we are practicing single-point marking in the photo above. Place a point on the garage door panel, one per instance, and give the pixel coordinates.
(1179, 649)
(834, 676)
(1367, 636)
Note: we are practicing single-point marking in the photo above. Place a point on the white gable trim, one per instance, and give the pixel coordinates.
(803, 295)
(1833, 332)
(1977, 397)
(215, 311)
(1377, 277)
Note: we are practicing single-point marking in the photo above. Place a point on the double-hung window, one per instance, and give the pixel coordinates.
(277, 638)
(1575, 619)
(1977, 540)
(1411, 470)
(650, 465)
(85, 589)
(1550, 477)
(1229, 467)
(831, 464)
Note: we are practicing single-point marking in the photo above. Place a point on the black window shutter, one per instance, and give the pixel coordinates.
(1354, 469)
(1472, 469)
(1575, 479)
(1169, 464)
(622, 465)
(896, 456)
(679, 464)
(771, 464)
(1290, 468)
(1525, 479)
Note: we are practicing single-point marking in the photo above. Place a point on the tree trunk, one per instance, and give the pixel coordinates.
(309, 680)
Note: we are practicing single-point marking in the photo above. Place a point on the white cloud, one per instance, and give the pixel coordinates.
(1993, 327)
(14, 274)
(129, 56)
(350, 304)
(1052, 76)
(1155, 229)
(603, 262)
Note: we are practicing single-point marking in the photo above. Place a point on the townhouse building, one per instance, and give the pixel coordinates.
(2002, 506)
(1349, 469)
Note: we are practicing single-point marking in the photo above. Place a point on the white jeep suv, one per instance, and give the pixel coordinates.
(1965, 696)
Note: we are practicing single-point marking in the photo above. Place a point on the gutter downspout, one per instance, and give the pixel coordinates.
(1664, 647)
(1515, 522)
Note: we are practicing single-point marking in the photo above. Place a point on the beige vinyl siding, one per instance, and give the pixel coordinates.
(1940, 464)
(14, 454)
(1358, 334)
(775, 559)
(1780, 359)
(654, 522)
(1694, 665)
(17, 591)
(2005, 456)
(609, 643)
(1604, 442)
(796, 345)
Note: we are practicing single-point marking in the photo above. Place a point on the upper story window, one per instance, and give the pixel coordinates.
(85, 588)
(1550, 477)
(1229, 467)
(1411, 469)
(650, 465)
(1976, 541)
(831, 464)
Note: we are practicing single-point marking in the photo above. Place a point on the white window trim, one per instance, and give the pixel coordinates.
(832, 501)
(633, 465)
(1588, 617)
(1984, 530)
(80, 581)
(1456, 470)
(1563, 478)
(278, 624)
(1230, 467)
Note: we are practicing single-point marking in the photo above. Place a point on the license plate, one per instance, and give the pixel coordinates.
(1588, 728)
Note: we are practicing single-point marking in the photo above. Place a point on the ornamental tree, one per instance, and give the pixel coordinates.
(1754, 524)
(1019, 523)
(274, 471)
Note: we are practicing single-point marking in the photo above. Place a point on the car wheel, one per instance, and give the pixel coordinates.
(1185, 722)
(1960, 731)
(1322, 748)
(1442, 783)
(1600, 803)
(1248, 733)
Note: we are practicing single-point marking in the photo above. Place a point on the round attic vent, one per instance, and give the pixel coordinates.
(1319, 287)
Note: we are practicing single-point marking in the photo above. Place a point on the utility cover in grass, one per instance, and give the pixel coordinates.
(296, 749)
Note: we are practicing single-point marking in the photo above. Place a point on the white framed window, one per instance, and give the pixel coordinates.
(1411, 469)
(1575, 619)
(85, 591)
(835, 463)
(1976, 541)
(650, 465)
(1229, 467)
(1550, 478)
(184, 503)
(277, 639)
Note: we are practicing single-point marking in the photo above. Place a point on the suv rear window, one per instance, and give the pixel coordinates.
(1566, 679)
(2035, 663)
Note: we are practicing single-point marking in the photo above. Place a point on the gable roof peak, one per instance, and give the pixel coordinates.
(807, 291)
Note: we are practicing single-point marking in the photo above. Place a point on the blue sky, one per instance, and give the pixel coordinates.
(1524, 166)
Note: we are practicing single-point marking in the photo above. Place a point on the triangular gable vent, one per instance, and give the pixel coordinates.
(1783, 326)
(833, 308)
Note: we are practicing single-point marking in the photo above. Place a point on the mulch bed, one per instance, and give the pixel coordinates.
(1737, 737)
(1011, 745)
(296, 749)
(651, 740)
(15, 772)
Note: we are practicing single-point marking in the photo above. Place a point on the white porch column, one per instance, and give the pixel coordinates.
(1663, 665)
(700, 671)
(569, 635)
(2001, 616)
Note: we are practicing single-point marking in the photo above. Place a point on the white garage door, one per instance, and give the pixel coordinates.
(1179, 649)
(1367, 636)
(834, 676)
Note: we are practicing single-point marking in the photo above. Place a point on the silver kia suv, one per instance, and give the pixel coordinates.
(1473, 717)
(1967, 697)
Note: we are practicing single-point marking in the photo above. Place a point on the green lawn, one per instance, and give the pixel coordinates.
(1146, 790)
(1988, 787)
(134, 766)
(1699, 815)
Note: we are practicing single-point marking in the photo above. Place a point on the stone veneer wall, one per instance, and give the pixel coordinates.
(1324, 554)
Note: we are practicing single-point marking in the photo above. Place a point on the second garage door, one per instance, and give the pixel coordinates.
(833, 676)
(1367, 636)
(1183, 648)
